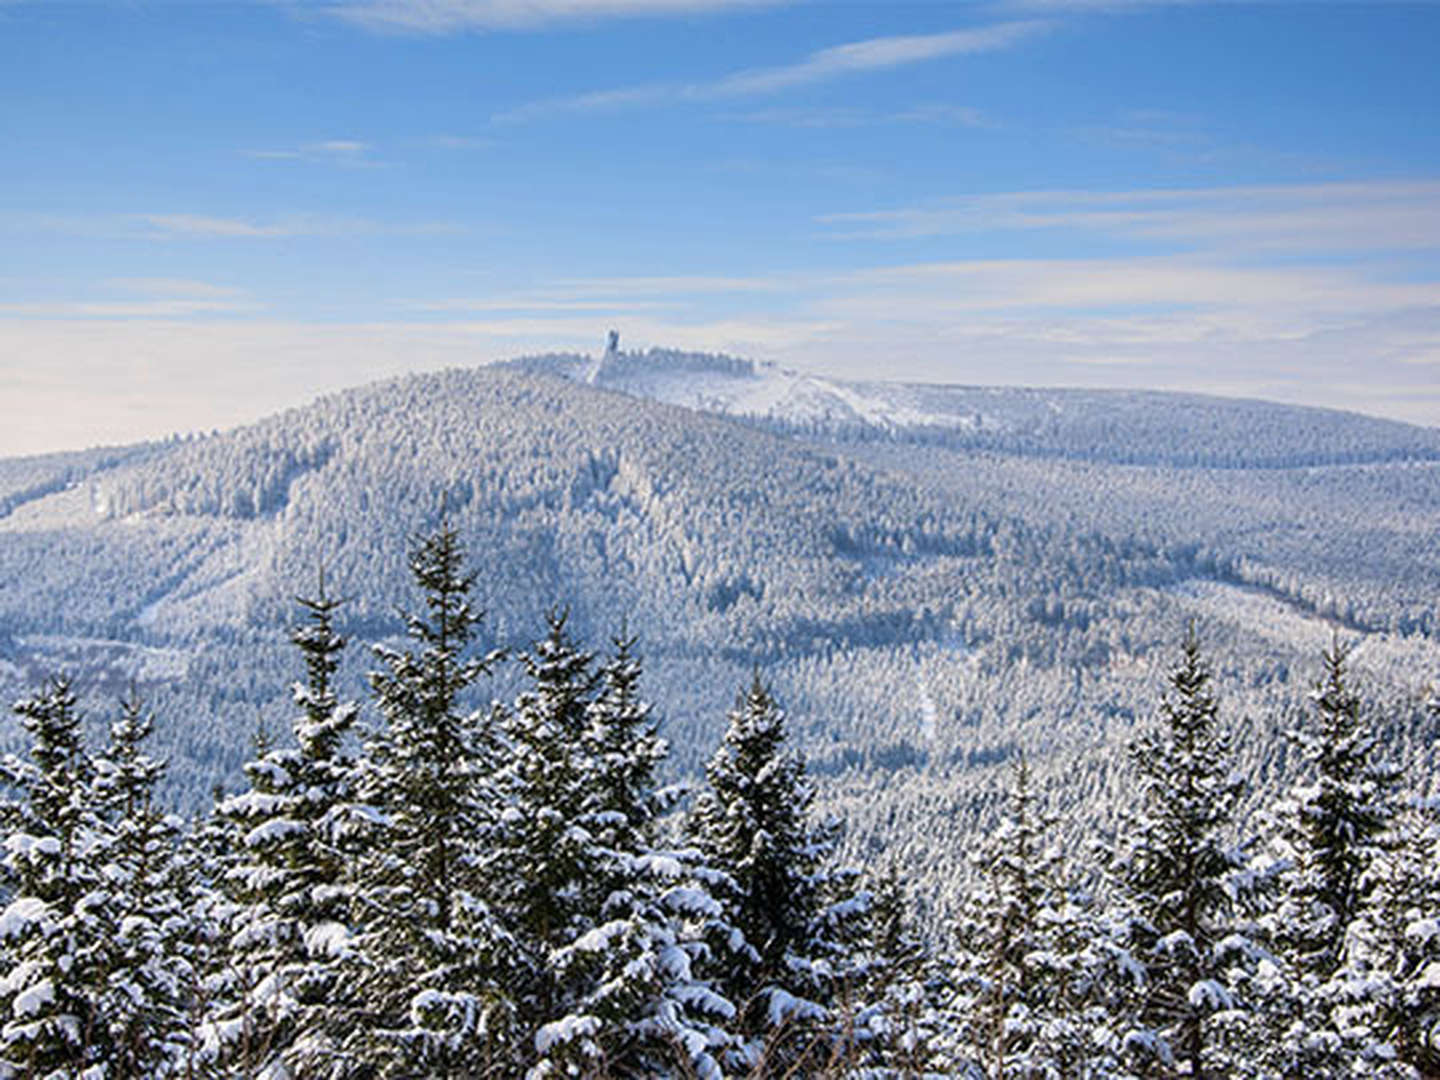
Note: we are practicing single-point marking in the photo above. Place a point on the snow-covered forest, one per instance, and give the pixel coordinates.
(435, 888)
(954, 592)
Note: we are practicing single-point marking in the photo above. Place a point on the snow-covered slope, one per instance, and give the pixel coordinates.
(1135, 427)
(933, 578)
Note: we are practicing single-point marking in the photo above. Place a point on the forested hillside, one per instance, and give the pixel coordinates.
(510, 890)
(933, 582)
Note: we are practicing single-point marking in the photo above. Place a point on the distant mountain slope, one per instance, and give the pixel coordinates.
(925, 607)
(1133, 427)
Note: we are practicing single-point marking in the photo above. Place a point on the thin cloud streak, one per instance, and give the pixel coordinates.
(854, 117)
(153, 286)
(348, 153)
(1122, 7)
(1384, 215)
(200, 226)
(877, 54)
(456, 16)
(857, 57)
(126, 309)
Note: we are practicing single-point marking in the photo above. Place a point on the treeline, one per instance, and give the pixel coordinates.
(511, 891)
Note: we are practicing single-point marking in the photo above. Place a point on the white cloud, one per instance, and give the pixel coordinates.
(854, 116)
(184, 225)
(124, 309)
(452, 16)
(149, 298)
(201, 226)
(874, 54)
(459, 142)
(1098, 285)
(1121, 7)
(524, 303)
(349, 153)
(156, 286)
(1354, 216)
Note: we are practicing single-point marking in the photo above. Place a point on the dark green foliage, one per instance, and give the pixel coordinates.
(1336, 819)
(798, 912)
(1334, 841)
(150, 976)
(1033, 956)
(55, 950)
(426, 960)
(287, 878)
(614, 928)
(1177, 873)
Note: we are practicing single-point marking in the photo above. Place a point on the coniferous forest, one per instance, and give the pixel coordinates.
(429, 884)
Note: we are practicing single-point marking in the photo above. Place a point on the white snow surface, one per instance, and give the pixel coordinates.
(772, 392)
(33, 999)
(566, 1029)
(21, 915)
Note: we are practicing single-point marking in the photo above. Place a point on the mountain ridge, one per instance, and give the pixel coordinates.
(926, 609)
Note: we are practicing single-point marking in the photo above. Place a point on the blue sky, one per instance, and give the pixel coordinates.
(215, 210)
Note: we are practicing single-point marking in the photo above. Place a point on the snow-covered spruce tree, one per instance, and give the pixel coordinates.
(145, 1001)
(1032, 957)
(288, 877)
(243, 1001)
(1332, 830)
(206, 854)
(1180, 872)
(1394, 948)
(902, 988)
(427, 962)
(55, 957)
(796, 985)
(612, 928)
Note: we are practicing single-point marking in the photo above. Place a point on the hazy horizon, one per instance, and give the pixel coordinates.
(213, 212)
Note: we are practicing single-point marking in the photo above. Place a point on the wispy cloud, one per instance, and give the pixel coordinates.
(853, 117)
(124, 309)
(1360, 216)
(876, 54)
(201, 226)
(459, 142)
(528, 304)
(155, 286)
(1062, 7)
(453, 16)
(349, 153)
(146, 298)
(1256, 296)
(856, 57)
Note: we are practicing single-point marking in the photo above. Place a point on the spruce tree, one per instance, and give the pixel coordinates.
(798, 912)
(1393, 951)
(1331, 834)
(902, 989)
(613, 926)
(55, 953)
(288, 879)
(208, 851)
(1335, 819)
(1034, 956)
(427, 960)
(150, 917)
(1180, 873)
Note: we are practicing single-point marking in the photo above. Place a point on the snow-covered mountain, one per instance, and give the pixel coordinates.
(1137, 427)
(933, 578)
